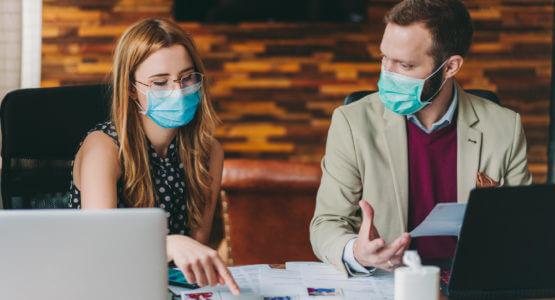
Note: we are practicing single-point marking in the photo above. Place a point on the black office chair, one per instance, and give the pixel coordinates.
(355, 96)
(41, 130)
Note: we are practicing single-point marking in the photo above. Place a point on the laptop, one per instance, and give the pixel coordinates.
(87, 255)
(506, 247)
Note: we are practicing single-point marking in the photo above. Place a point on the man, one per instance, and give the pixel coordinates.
(393, 155)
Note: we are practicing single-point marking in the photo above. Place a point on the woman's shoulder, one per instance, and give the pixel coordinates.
(98, 139)
(101, 140)
(98, 155)
(108, 129)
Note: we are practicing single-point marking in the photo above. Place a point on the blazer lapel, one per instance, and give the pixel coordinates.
(395, 133)
(469, 144)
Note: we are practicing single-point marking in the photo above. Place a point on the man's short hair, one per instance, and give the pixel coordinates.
(447, 20)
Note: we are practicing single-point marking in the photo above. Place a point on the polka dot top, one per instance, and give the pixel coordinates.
(168, 176)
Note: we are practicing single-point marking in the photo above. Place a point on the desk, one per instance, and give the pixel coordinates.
(275, 266)
(282, 266)
(441, 297)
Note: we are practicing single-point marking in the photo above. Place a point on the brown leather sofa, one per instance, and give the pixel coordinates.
(267, 206)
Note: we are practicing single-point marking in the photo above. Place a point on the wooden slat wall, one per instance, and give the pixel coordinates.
(276, 85)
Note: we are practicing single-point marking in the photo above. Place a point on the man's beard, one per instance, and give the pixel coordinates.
(432, 86)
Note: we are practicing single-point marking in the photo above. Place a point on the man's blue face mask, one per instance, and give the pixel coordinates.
(402, 94)
(172, 108)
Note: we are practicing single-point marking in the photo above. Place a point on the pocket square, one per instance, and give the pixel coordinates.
(484, 181)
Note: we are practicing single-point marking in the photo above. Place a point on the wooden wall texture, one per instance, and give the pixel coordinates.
(275, 85)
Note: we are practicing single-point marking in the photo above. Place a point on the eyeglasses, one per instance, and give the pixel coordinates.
(164, 87)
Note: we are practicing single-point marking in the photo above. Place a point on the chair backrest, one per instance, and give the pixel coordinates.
(489, 95)
(267, 207)
(41, 131)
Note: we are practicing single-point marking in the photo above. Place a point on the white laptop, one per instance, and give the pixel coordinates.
(87, 255)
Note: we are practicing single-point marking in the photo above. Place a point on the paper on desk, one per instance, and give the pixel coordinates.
(196, 295)
(277, 282)
(247, 277)
(262, 282)
(444, 220)
(315, 274)
(250, 273)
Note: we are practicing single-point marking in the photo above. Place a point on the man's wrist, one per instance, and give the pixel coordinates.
(354, 268)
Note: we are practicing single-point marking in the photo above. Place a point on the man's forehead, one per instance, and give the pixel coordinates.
(406, 43)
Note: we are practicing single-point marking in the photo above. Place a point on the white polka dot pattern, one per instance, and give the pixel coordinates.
(168, 185)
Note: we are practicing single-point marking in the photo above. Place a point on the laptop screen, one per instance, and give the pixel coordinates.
(507, 242)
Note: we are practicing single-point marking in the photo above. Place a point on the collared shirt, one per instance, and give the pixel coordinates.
(445, 121)
(353, 267)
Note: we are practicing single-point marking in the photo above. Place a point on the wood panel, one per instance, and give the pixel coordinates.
(275, 85)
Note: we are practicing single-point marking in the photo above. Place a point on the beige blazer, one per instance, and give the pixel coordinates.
(366, 158)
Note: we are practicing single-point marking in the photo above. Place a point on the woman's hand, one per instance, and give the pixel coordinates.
(199, 263)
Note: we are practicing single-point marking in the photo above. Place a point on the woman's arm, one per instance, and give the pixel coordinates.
(202, 233)
(200, 263)
(96, 171)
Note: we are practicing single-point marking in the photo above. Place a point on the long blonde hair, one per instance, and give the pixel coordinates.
(193, 140)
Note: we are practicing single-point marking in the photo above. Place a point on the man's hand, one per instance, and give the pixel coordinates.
(370, 250)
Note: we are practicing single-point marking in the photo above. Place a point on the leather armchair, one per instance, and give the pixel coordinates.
(267, 208)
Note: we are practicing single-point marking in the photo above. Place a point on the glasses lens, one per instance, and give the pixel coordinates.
(188, 84)
(191, 79)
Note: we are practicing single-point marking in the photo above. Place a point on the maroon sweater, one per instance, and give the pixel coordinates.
(432, 179)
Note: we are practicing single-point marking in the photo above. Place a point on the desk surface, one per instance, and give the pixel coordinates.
(441, 297)
(282, 266)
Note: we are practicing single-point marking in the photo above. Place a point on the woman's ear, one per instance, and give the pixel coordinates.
(453, 66)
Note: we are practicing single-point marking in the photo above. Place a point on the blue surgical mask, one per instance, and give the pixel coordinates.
(172, 108)
(402, 94)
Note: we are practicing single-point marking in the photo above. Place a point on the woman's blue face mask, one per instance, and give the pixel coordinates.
(402, 94)
(172, 108)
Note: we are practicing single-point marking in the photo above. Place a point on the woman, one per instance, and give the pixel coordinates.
(158, 148)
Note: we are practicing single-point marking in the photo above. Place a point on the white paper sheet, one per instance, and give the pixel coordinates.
(219, 295)
(444, 220)
(261, 281)
(247, 277)
(277, 282)
(250, 274)
(314, 274)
